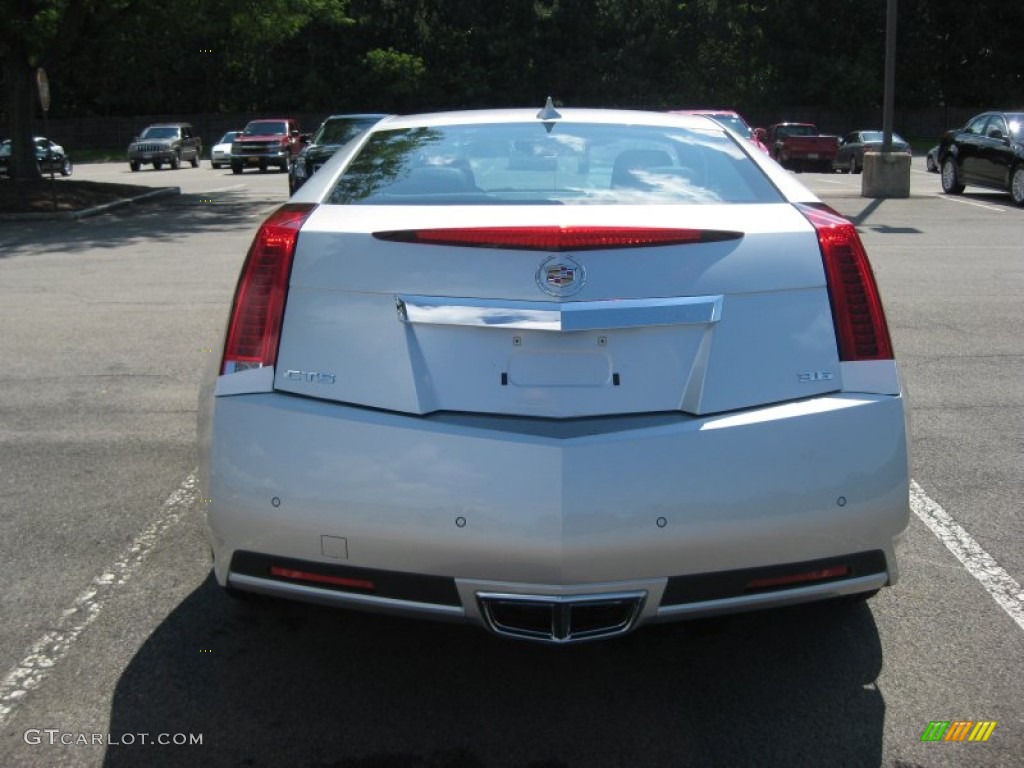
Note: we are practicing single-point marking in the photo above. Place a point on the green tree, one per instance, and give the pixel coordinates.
(37, 33)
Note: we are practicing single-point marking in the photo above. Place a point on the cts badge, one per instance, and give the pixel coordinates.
(809, 377)
(560, 276)
(313, 377)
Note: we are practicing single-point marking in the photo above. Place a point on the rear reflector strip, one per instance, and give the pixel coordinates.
(723, 585)
(799, 578)
(557, 238)
(421, 588)
(861, 330)
(321, 578)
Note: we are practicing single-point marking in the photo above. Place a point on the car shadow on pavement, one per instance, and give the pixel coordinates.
(272, 683)
(164, 219)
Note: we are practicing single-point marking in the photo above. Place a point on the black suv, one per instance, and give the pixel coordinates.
(170, 143)
(332, 133)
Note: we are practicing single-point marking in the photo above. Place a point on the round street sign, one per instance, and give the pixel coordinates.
(44, 89)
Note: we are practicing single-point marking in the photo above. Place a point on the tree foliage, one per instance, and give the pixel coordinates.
(37, 33)
(132, 57)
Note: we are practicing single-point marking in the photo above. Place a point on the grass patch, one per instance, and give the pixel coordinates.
(39, 196)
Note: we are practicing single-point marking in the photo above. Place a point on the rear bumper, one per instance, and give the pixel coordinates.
(661, 505)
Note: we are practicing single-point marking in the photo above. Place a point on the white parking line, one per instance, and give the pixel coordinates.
(949, 199)
(979, 563)
(29, 673)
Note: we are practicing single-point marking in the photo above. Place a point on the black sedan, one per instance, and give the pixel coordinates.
(332, 133)
(987, 152)
(850, 157)
(49, 155)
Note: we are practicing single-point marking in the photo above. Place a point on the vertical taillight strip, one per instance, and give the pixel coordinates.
(861, 330)
(258, 309)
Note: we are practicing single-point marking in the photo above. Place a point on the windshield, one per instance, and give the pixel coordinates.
(342, 130)
(573, 164)
(1015, 123)
(733, 123)
(229, 137)
(160, 132)
(267, 128)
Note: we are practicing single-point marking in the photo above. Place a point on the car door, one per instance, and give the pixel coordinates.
(969, 144)
(855, 148)
(995, 152)
(188, 142)
(843, 153)
(42, 149)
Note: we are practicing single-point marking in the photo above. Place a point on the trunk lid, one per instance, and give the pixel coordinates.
(701, 327)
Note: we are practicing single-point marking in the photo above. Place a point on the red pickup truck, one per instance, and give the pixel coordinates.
(266, 142)
(800, 145)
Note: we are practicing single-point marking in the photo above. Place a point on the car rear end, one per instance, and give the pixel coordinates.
(648, 379)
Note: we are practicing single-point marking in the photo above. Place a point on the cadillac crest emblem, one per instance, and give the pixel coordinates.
(560, 276)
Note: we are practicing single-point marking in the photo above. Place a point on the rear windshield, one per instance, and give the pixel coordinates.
(342, 130)
(796, 130)
(573, 163)
(877, 137)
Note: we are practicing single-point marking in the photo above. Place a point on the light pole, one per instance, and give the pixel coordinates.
(889, 96)
(887, 174)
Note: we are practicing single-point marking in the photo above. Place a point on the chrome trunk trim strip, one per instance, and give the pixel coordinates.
(555, 316)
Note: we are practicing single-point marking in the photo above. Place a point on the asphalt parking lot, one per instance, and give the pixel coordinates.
(114, 635)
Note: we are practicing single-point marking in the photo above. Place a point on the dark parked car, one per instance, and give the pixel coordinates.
(850, 157)
(987, 152)
(332, 133)
(49, 155)
(170, 143)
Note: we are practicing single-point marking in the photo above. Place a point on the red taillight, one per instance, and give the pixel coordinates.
(798, 578)
(255, 325)
(861, 332)
(321, 578)
(581, 238)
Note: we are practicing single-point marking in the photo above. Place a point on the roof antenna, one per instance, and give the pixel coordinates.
(549, 112)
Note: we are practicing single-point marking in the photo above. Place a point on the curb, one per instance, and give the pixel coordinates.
(85, 212)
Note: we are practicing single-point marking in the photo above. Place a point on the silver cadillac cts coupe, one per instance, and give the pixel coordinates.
(559, 374)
